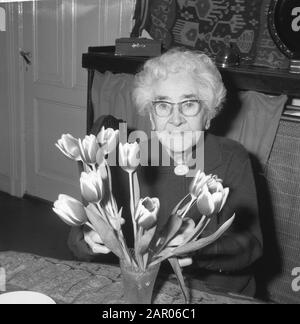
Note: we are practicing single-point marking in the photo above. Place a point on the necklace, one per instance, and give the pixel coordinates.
(181, 168)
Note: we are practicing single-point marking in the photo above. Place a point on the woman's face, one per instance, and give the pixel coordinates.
(178, 87)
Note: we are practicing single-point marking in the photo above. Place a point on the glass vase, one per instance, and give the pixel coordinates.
(138, 284)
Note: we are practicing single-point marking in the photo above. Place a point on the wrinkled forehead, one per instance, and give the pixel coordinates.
(175, 87)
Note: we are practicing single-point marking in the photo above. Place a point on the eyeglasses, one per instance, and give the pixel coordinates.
(188, 108)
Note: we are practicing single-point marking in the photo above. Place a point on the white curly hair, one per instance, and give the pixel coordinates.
(201, 67)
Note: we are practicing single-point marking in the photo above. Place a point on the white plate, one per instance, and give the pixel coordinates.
(25, 297)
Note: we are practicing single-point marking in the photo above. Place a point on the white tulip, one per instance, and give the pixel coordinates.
(108, 138)
(198, 182)
(146, 213)
(89, 150)
(70, 210)
(129, 156)
(69, 146)
(212, 197)
(91, 186)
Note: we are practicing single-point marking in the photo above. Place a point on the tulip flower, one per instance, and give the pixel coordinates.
(89, 150)
(212, 197)
(70, 210)
(129, 156)
(176, 241)
(69, 146)
(198, 182)
(146, 213)
(91, 186)
(107, 138)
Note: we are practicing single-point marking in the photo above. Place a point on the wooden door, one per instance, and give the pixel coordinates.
(55, 34)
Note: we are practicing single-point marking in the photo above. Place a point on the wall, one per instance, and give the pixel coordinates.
(4, 112)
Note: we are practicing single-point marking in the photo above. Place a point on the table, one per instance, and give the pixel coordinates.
(73, 282)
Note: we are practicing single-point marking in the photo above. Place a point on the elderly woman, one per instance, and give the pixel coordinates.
(182, 91)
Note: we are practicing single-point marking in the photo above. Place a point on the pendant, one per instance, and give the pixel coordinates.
(181, 170)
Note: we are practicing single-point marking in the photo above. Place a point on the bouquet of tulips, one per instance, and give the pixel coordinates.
(175, 241)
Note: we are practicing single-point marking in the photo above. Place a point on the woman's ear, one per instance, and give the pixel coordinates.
(207, 120)
(207, 124)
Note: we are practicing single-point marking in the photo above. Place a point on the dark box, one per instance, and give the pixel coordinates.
(137, 47)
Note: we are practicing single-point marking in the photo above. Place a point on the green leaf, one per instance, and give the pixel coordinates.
(177, 270)
(105, 232)
(176, 209)
(145, 240)
(199, 229)
(163, 255)
(197, 245)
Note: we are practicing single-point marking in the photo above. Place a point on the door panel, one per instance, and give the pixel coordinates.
(56, 33)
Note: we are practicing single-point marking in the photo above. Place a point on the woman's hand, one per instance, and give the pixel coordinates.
(94, 241)
(85, 243)
(185, 261)
(78, 246)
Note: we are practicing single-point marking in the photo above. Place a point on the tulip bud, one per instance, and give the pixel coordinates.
(205, 202)
(212, 198)
(70, 210)
(91, 186)
(146, 213)
(129, 158)
(107, 138)
(89, 149)
(214, 184)
(69, 146)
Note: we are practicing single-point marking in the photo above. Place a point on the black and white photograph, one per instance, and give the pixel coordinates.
(150, 154)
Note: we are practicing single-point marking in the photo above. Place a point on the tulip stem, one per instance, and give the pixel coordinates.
(108, 174)
(138, 256)
(132, 203)
(189, 206)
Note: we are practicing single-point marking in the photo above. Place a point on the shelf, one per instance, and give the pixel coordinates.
(267, 80)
